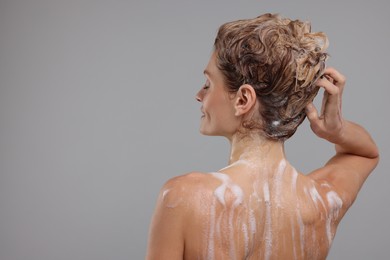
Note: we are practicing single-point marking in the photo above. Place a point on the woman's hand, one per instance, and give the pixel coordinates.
(356, 153)
(330, 123)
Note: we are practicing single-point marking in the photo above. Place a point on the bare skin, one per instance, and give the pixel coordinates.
(259, 206)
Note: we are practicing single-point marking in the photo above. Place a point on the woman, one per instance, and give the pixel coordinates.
(260, 83)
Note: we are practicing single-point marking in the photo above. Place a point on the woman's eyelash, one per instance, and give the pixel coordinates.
(206, 85)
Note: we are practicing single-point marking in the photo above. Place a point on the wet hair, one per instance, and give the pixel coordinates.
(281, 59)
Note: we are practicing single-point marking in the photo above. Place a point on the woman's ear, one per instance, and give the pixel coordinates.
(245, 99)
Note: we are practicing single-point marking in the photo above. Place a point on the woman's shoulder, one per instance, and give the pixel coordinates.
(174, 214)
(186, 189)
(190, 177)
(190, 183)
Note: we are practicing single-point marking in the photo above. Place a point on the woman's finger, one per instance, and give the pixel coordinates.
(331, 88)
(331, 99)
(316, 123)
(338, 78)
(311, 112)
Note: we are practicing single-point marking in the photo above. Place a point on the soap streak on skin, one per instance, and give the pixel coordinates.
(335, 204)
(278, 181)
(246, 238)
(220, 194)
(315, 245)
(313, 234)
(328, 230)
(220, 191)
(278, 189)
(294, 181)
(270, 194)
(268, 223)
(218, 228)
(210, 249)
(173, 204)
(301, 230)
(298, 212)
(245, 162)
(254, 198)
(252, 222)
(237, 191)
(316, 197)
(165, 192)
(293, 237)
(294, 178)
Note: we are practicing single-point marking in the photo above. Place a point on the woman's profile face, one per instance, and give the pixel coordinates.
(217, 104)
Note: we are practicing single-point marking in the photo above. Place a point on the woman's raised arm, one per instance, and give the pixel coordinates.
(356, 152)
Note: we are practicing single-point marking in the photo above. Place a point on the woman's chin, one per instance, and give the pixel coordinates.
(205, 131)
(208, 132)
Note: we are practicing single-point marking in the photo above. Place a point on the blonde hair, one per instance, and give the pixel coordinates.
(281, 59)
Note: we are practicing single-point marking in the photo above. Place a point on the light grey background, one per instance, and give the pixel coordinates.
(97, 111)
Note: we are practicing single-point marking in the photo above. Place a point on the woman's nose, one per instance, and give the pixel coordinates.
(198, 96)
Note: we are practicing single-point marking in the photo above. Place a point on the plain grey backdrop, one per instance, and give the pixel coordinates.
(97, 111)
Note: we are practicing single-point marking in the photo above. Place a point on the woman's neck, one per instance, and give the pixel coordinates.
(256, 150)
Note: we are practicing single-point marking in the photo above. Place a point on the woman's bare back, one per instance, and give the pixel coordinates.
(260, 207)
(245, 212)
